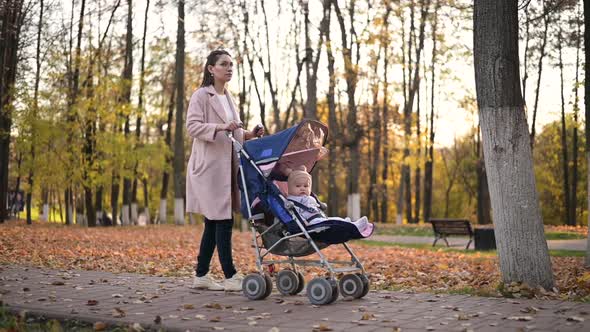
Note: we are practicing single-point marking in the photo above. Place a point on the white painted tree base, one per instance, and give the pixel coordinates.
(354, 206)
(99, 218)
(162, 219)
(398, 219)
(45, 214)
(134, 213)
(81, 220)
(518, 223)
(71, 214)
(179, 211)
(125, 215)
(142, 220)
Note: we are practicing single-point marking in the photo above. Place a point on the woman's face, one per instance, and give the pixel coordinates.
(223, 69)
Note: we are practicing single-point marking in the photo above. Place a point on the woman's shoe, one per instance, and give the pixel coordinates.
(206, 282)
(234, 284)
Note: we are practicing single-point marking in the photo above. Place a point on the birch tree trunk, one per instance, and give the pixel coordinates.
(520, 238)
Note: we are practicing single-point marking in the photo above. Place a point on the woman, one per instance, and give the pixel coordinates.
(211, 187)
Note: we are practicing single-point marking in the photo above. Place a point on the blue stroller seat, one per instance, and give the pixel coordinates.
(279, 230)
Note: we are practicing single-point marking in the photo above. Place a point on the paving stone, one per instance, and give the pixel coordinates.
(143, 298)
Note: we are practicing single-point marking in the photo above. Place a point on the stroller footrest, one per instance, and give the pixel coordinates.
(347, 269)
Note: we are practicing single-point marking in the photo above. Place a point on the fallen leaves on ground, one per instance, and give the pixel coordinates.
(168, 250)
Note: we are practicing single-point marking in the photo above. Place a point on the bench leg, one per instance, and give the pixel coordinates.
(447, 242)
(468, 243)
(435, 239)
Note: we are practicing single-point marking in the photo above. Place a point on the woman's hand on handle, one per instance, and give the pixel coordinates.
(230, 126)
(258, 131)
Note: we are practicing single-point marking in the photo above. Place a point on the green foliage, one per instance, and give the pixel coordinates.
(547, 156)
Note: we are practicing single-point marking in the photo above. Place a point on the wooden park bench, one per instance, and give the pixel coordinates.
(444, 227)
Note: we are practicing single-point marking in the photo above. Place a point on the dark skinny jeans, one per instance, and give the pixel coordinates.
(217, 233)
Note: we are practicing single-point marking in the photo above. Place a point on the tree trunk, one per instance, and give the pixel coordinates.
(526, 52)
(418, 171)
(546, 19)
(520, 238)
(72, 116)
(163, 213)
(384, 198)
(564, 157)
(11, 21)
(127, 83)
(140, 112)
(332, 122)
(45, 206)
(428, 165)
(35, 111)
(587, 113)
(179, 180)
(413, 86)
(88, 149)
(353, 136)
(146, 204)
(574, 189)
(311, 69)
(98, 196)
(483, 193)
(375, 152)
(400, 199)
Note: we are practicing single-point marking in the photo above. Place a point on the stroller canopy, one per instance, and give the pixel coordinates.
(302, 144)
(272, 155)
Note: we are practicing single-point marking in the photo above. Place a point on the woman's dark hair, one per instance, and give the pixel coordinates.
(211, 61)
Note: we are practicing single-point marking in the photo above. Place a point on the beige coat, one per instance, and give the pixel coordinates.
(211, 187)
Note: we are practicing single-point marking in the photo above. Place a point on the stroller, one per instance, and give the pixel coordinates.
(278, 229)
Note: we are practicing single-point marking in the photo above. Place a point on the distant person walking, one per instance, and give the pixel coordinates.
(211, 187)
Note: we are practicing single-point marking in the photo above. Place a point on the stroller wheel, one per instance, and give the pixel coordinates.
(301, 283)
(334, 291)
(287, 282)
(351, 285)
(320, 291)
(254, 286)
(268, 285)
(366, 284)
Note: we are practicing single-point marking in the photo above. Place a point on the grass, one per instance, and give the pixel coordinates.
(425, 246)
(563, 236)
(426, 231)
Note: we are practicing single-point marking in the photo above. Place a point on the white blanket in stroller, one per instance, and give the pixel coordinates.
(308, 208)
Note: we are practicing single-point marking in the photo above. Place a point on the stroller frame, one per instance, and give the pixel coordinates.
(353, 266)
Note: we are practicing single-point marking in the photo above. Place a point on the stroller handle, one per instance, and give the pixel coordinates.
(234, 141)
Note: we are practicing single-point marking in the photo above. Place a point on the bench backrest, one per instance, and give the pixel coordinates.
(451, 226)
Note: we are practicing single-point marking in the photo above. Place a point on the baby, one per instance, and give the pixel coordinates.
(299, 185)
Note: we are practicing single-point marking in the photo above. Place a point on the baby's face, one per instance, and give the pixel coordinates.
(300, 187)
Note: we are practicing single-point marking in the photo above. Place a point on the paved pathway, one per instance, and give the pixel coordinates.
(167, 303)
(461, 242)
